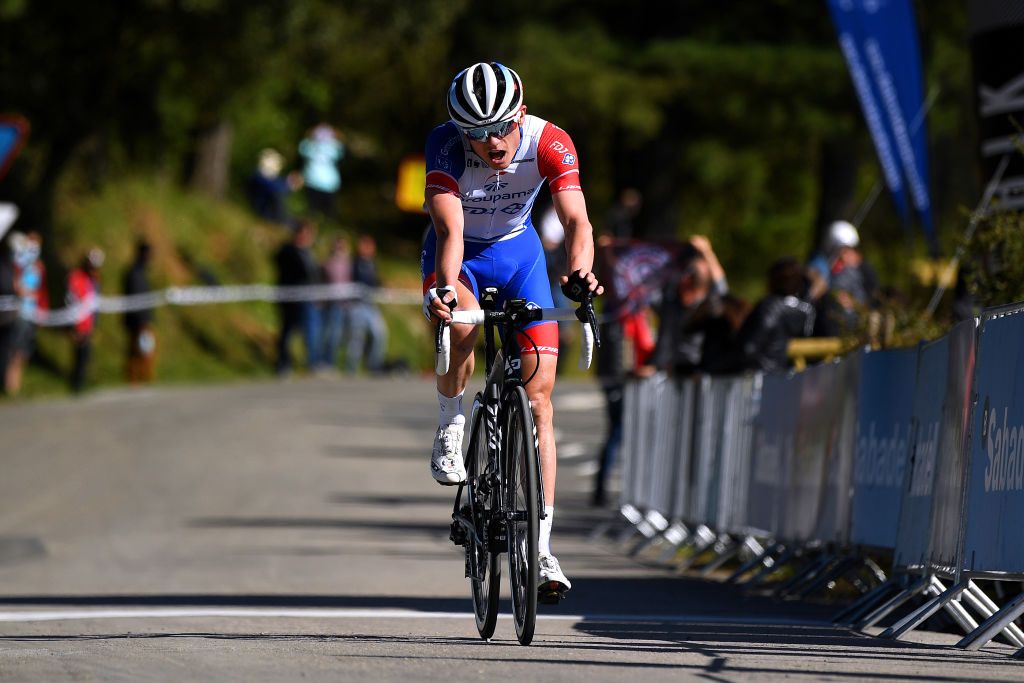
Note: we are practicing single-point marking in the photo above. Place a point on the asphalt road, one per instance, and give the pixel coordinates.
(287, 531)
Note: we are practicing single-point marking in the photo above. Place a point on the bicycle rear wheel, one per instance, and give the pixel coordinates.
(482, 499)
(522, 476)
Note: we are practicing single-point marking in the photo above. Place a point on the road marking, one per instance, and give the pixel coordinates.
(326, 613)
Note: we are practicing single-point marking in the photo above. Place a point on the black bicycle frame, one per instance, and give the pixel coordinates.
(499, 380)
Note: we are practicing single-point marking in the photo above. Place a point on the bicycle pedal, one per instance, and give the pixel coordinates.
(550, 593)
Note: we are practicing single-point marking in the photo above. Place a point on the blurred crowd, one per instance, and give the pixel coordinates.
(352, 322)
(23, 281)
(680, 317)
(355, 322)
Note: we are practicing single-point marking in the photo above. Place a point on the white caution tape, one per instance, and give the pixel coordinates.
(200, 296)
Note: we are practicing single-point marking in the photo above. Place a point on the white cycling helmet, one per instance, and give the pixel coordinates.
(841, 234)
(483, 94)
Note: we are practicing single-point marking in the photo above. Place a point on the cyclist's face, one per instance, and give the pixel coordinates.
(498, 152)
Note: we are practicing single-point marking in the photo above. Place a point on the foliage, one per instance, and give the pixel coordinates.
(997, 256)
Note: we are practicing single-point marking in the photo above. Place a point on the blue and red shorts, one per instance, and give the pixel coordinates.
(516, 267)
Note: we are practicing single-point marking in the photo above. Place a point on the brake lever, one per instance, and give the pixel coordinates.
(439, 336)
(585, 314)
(439, 330)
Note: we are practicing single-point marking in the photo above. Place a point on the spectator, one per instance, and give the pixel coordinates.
(623, 214)
(296, 267)
(337, 270)
(364, 315)
(777, 318)
(843, 283)
(30, 289)
(696, 317)
(141, 357)
(83, 290)
(268, 190)
(321, 151)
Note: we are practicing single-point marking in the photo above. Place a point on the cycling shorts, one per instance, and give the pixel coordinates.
(516, 267)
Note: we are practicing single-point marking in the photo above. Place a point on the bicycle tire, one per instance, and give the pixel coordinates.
(486, 592)
(522, 475)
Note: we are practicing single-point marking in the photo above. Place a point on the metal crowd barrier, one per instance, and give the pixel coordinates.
(913, 455)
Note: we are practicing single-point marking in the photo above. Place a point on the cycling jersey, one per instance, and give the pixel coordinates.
(502, 248)
(496, 204)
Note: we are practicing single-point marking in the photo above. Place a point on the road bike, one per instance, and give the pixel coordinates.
(499, 507)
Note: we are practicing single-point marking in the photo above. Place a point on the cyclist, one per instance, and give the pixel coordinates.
(484, 169)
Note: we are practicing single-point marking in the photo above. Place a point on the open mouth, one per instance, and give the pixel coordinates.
(496, 155)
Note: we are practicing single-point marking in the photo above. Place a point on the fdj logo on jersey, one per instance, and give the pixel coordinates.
(494, 183)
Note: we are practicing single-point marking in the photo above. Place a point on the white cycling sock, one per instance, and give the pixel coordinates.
(451, 409)
(545, 530)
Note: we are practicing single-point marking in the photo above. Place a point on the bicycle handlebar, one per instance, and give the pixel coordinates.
(584, 315)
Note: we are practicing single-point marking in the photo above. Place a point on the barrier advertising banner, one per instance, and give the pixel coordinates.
(914, 531)
(833, 523)
(709, 432)
(742, 394)
(771, 460)
(995, 481)
(885, 407)
(947, 503)
(820, 396)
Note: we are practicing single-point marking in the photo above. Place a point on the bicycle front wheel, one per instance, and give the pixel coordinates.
(482, 561)
(522, 481)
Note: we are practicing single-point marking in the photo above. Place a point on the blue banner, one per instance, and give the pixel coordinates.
(879, 42)
(886, 401)
(914, 532)
(995, 488)
(951, 473)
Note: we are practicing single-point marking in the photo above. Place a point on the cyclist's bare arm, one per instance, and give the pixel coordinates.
(446, 214)
(571, 208)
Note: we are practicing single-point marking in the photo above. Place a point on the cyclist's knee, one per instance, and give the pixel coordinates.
(540, 401)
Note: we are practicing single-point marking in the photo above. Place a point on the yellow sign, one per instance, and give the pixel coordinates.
(412, 183)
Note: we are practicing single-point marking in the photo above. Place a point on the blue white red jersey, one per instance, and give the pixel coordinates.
(497, 204)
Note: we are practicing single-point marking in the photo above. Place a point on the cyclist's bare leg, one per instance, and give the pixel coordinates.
(539, 391)
(463, 340)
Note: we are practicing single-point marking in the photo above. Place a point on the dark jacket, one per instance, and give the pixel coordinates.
(692, 339)
(364, 271)
(765, 335)
(295, 266)
(137, 282)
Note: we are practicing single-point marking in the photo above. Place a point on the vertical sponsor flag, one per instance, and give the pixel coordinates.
(878, 39)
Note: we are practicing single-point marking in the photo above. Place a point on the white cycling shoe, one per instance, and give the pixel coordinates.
(446, 464)
(552, 580)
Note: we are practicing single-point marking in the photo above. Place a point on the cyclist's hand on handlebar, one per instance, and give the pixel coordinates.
(439, 302)
(577, 285)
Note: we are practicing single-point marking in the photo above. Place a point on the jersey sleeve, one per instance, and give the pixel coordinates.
(445, 159)
(556, 160)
